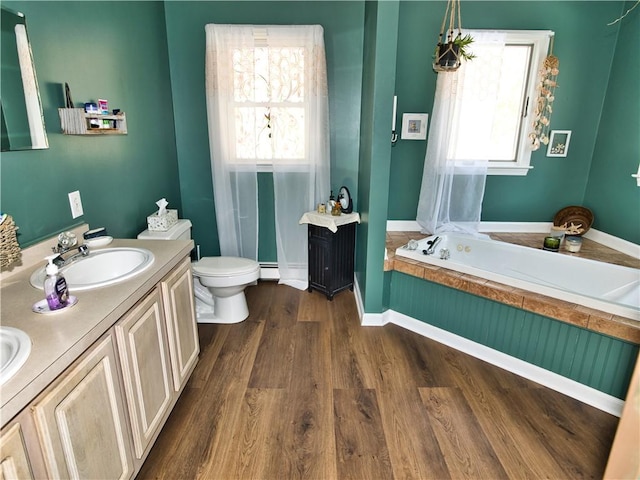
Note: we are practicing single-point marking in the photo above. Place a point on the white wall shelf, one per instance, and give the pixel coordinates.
(75, 121)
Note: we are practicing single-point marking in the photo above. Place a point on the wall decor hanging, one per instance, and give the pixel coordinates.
(414, 126)
(448, 55)
(543, 107)
(559, 143)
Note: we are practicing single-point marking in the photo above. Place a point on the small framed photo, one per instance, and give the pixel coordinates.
(414, 126)
(558, 143)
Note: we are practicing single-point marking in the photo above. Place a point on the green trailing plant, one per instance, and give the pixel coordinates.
(462, 44)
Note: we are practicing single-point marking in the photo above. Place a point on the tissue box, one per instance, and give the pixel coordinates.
(162, 223)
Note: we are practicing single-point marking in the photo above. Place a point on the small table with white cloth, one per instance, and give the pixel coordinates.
(332, 241)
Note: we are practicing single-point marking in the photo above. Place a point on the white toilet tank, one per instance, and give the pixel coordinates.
(180, 231)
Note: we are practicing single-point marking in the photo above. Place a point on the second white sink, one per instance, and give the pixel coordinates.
(101, 268)
(15, 347)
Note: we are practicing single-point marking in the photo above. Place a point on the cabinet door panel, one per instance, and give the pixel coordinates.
(182, 330)
(81, 421)
(145, 365)
(15, 460)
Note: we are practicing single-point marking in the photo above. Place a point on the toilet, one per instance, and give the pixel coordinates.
(218, 282)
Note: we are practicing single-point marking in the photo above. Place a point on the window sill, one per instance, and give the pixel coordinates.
(268, 168)
(514, 170)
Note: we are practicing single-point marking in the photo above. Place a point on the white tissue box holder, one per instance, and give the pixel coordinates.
(162, 223)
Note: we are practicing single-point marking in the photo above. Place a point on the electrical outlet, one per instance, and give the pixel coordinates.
(76, 204)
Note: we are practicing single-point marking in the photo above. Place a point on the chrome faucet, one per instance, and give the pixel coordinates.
(83, 251)
(431, 246)
(66, 242)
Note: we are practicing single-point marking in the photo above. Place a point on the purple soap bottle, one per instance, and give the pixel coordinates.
(55, 286)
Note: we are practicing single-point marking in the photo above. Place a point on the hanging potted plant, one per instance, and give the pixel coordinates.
(448, 55)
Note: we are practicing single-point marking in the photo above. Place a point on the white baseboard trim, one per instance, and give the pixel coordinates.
(571, 388)
(616, 243)
(516, 227)
(403, 226)
(269, 271)
(373, 320)
(367, 319)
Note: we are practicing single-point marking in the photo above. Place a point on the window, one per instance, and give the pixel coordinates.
(511, 74)
(269, 109)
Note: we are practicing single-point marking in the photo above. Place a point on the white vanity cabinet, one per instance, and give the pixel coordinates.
(14, 461)
(100, 417)
(144, 356)
(81, 421)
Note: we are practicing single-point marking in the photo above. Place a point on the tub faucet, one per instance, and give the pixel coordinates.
(431, 246)
(444, 254)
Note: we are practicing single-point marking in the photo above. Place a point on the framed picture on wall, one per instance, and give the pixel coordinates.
(558, 143)
(414, 126)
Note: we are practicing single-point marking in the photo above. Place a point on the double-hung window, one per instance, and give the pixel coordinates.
(513, 76)
(269, 110)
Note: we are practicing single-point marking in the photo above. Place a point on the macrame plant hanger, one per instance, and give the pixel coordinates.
(447, 56)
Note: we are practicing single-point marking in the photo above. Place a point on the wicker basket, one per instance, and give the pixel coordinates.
(9, 248)
(580, 218)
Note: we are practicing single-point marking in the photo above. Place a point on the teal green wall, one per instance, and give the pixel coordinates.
(596, 360)
(381, 25)
(148, 59)
(611, 191)
(112, 50)
(585, 46)
(343, 31)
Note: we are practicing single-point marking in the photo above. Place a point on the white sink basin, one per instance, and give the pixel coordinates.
(15, 347)
(100, 268)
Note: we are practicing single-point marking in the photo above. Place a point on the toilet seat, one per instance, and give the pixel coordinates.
(225, 267)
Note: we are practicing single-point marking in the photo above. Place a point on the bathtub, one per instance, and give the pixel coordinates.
(610, 288)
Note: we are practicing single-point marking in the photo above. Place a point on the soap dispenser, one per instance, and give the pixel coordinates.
(55, 286)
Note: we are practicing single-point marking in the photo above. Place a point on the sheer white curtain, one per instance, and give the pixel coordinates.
(462, 126)
(267, 106)
(235, 185)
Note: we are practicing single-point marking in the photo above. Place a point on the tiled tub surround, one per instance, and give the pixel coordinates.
(613, 325)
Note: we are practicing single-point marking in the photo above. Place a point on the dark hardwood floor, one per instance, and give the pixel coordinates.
(301, 390)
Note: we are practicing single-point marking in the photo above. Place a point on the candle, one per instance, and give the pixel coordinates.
(551, 243)
(573, 244)
(393, 120)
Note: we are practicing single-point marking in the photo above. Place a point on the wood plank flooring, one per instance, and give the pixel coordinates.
(301, 390)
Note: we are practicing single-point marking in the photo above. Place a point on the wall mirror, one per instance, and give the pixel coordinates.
(22, 120)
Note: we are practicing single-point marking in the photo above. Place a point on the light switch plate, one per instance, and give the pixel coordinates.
(76, 204)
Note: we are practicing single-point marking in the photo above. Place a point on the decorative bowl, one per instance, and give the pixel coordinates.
(576, 220)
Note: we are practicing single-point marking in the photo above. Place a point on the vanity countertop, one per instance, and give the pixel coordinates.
(60, 338)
